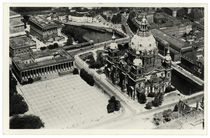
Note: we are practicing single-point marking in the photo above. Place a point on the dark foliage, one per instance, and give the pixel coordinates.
(114, 105)
(141, 98)
(148, 105)
(117, 105)
(75, 32)
(12, 84)
(176, 108)
(75, 71)
(30, 81)
(151, 94)
(98, 63)
(110, 107)
(157, 100)
(26, 122)
(55, 45)
(116, 19)
(69, 41)
(87, 77)
(167, 115)
(17, 105)
(43, 48)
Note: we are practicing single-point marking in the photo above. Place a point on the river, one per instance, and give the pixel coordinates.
(96, 36)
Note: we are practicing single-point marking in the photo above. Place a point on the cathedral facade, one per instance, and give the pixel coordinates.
(138, 68)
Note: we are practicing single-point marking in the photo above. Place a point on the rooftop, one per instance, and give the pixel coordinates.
(21, 41)
(42, 22)
(178, 45)
(41, 58)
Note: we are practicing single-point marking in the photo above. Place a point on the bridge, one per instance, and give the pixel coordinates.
(185, 73)
(97, 26)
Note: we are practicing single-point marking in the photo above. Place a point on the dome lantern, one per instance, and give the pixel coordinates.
(168, 56)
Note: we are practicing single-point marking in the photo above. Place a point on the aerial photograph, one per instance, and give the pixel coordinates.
(120, 68)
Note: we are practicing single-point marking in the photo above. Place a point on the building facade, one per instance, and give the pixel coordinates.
(43, 28)
(42, 64)
(139, 69)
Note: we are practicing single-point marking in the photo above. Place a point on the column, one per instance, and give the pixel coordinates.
(69, 66)
(189, 10)
(64, 67)
(174, 13)
(35, 70)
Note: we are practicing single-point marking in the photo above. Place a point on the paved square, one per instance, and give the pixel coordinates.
(66, 102)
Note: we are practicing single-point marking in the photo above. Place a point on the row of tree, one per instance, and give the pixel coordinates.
(87, 77)
(55, 45)
(17, 107)
(158, 99)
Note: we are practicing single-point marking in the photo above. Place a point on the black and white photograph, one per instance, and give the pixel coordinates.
(105, 67)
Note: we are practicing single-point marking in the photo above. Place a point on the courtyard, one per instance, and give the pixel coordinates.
(67, 102)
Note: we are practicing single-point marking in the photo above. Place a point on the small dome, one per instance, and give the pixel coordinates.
(113, 46)
(137, 62)
(168, 56)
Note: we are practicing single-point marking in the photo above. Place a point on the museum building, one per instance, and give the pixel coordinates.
(42, 64)
(43, 28)
(139, 68)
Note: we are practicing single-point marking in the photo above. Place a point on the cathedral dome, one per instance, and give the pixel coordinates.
(145, 43)
(143, 40)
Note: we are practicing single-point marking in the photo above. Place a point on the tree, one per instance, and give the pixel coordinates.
(167, 115)
(56, 45)
(114, 105)
(158, 100)
(110, 107)
(75, 71)
(141, 98)
(12, 82)
(176, 108)
(117, 105)
(112, 99)
(69, 41)
(116, 19)
(26, 122)
(17, 105)
(148, 105)
(87, 77)
(43, 48)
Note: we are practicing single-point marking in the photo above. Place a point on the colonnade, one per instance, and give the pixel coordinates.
(47, 70)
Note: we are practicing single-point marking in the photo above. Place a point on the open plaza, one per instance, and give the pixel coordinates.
(66, 102)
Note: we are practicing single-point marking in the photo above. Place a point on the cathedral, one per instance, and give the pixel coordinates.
(138, 68)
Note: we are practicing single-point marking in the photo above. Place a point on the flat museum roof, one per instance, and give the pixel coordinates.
(63, 57)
